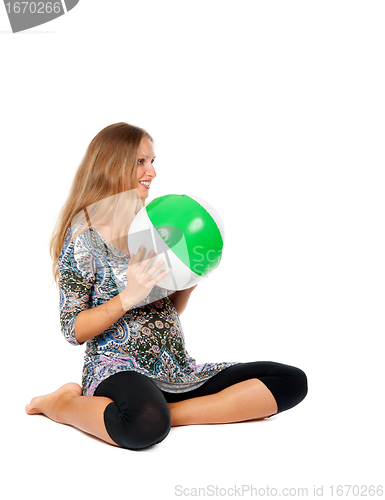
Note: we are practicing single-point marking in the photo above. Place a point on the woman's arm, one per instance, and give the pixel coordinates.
(92, 322)
(180, 299)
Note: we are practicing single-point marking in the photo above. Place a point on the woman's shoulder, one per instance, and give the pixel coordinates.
(78, 253)
(77, 242)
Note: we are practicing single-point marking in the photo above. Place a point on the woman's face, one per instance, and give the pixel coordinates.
(145, 171)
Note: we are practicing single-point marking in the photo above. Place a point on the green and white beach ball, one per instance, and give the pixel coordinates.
(185, 232)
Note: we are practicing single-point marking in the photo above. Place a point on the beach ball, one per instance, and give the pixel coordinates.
(185, 232)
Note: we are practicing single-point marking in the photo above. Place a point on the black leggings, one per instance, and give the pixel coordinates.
(139, 416)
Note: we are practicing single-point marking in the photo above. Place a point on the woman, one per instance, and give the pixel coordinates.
(138, 379)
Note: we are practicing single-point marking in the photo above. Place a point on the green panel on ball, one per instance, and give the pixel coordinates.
(201, 247)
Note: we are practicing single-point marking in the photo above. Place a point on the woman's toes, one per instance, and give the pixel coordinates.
(31, 409)
(49, 403)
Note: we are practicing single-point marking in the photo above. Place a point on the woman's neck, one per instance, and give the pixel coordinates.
(116, 240)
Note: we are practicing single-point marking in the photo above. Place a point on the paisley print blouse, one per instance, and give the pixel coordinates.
(147, 339)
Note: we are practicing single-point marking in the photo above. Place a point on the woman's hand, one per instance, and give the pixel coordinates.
(92, 322)
(139, 281)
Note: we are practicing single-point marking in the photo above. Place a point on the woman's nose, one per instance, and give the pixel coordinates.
(150, 170)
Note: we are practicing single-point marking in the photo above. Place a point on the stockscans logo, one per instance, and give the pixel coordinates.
(25, 15)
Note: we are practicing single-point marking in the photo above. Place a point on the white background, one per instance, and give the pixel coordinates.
(274, 113)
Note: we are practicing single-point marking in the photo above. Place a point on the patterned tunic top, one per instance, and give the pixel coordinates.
(147, 339)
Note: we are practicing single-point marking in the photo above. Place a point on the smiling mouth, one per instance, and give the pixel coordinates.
(146, 184)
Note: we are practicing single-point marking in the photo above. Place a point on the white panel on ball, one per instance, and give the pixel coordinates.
(142, 232)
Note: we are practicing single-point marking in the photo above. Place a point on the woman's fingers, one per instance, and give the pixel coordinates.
(149, 273)
(155, 268)
(143, 262)
(138, 258)
(162, 275)
(139, 254)
(140, 275)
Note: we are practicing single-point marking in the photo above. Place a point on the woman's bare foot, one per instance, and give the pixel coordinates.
(50, 404)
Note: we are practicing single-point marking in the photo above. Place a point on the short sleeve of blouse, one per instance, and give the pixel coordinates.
(76, 280)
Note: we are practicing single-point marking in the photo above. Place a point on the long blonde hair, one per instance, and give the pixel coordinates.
(105, 176)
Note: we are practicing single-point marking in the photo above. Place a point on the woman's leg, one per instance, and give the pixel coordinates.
(68, 406)
(248, 400)
(245, 391)
(139, 416)
(127, 410)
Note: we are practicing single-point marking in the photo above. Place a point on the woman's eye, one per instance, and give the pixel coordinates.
(141, 161)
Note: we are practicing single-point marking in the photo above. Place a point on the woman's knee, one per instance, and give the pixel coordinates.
(152, 426)
(300, 382)
(288, 385)
(295, 387)
(139, 416)
(137, 431)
